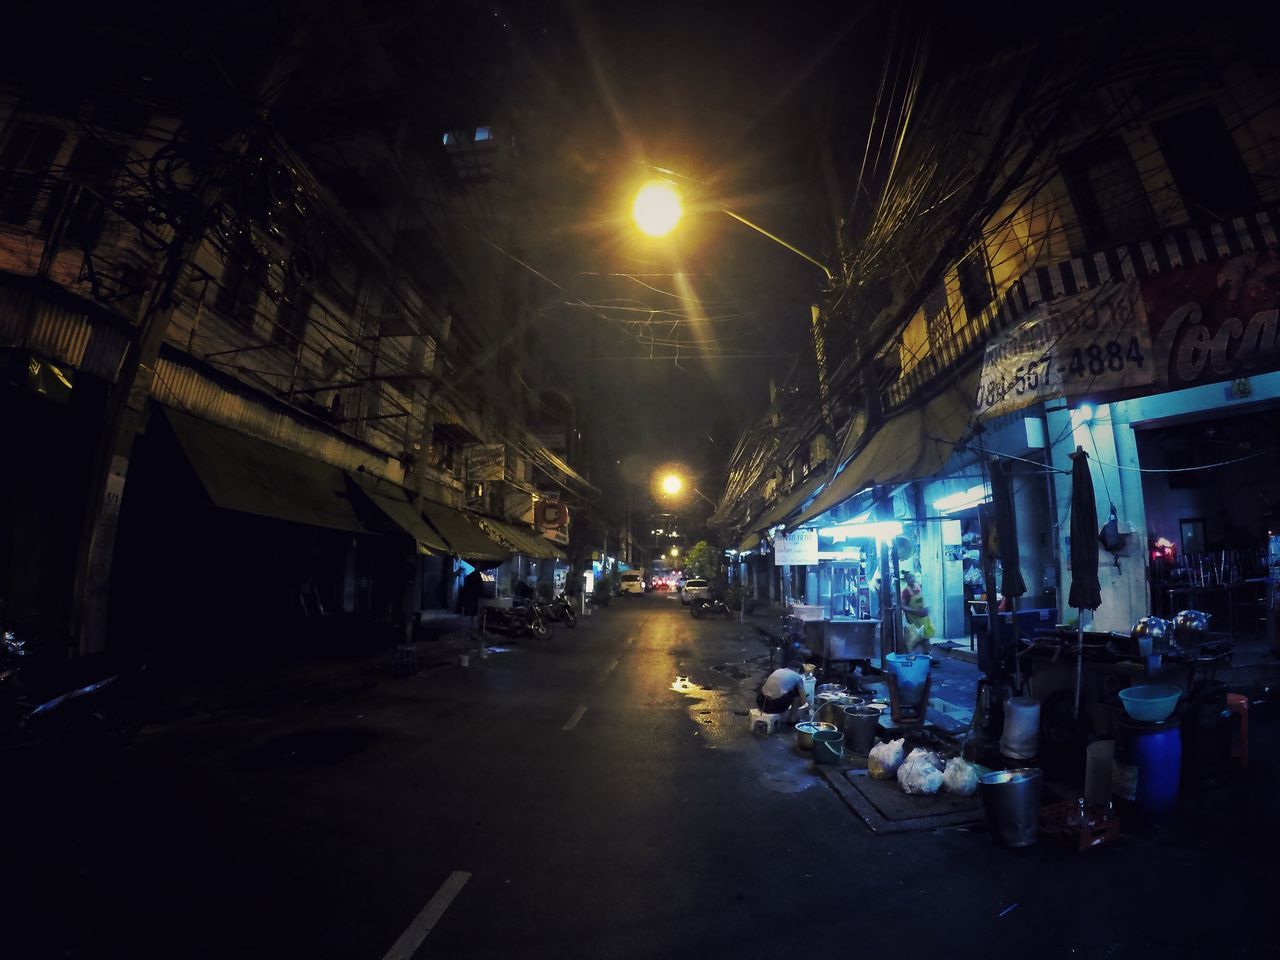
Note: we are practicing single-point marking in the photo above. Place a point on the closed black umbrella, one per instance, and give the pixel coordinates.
(1011, 582)
(1085, 589)
(1086, 592)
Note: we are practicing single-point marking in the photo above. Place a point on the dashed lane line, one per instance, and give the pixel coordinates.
(573, 721)
(411, 939)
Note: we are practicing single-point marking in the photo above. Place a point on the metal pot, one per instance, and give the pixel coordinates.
(839, 689)
(860, 725)
(805, 731)
(1151, 634)
(832, 711)
(1191, 628)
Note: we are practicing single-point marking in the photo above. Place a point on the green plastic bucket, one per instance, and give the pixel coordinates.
(828, 746)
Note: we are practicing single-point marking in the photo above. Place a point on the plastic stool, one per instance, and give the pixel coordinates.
(1238, 703)
(761, 722)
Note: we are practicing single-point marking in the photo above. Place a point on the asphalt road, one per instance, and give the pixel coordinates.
(573, 798)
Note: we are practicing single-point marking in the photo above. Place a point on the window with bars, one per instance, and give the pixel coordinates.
(976, 288)
(1206, 165)
(293, 314)
(237, 296)
(1107, 193)
(25, 162)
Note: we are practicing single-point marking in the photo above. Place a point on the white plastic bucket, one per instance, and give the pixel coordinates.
(1021, 737)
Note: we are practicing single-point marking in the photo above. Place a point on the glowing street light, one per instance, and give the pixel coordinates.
(672, 484)
(675, 551)
(657, 208)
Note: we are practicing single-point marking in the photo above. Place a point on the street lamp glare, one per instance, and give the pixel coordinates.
(656, 209)
(671, 484)
(675, 551)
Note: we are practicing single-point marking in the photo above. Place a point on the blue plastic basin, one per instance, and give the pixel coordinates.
(1150, 702)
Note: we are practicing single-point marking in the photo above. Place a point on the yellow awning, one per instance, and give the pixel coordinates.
(910, 446)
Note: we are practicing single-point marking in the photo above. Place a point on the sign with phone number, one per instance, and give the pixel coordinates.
(1089, 343)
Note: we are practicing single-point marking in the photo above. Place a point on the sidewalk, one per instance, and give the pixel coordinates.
(292, 672)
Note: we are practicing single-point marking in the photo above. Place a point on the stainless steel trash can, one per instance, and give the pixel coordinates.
(1011, 799)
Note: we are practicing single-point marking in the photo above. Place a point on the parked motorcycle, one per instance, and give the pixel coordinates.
(560, 610)
(45, 698)
(706, 606)
(521, 620)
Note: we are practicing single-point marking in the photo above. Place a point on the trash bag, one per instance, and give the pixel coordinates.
(921, 772)
(885, 758)
(960, 777)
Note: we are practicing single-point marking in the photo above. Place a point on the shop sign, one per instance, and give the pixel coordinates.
(1086, 344)
(796, 548)
(551, 515)
(1213, 322)
(486, 461)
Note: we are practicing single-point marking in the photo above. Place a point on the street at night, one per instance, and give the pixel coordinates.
(595, 807)
(584, 478)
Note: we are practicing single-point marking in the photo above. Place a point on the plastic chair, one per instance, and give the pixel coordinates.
(1238, 704)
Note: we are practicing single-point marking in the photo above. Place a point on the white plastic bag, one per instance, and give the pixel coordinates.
(960, 777)
(921, 772)
(885, 758)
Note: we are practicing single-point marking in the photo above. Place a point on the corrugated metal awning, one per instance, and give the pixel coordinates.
(522, 540)
(750, 543)
(910, 446)
(397, 504)
(462, 534)
(784, 506)
(244, 473)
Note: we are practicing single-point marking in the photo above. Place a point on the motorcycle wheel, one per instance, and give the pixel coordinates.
(540, 629)
(696, 610)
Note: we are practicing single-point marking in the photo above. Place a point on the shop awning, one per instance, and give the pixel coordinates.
(462, 534)
(910, 446)
(521, 540)
(786, 505)
(397, 504)
(243, 473)
(752, 541)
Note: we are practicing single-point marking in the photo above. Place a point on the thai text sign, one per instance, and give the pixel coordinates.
(797, 547)
(1085, 344)
(1215, 321)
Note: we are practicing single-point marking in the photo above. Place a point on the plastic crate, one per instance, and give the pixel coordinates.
(1053, 821)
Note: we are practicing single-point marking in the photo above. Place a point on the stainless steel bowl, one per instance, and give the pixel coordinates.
(805, 731)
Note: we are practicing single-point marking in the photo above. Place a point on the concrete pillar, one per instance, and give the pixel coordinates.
(1113, 460)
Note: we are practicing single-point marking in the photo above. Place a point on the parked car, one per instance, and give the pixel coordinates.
(631, 583)
(694, 588)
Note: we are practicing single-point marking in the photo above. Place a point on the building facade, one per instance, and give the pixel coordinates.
(1101, 277)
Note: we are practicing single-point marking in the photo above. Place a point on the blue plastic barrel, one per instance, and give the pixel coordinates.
(1147, 769)
(911, 671)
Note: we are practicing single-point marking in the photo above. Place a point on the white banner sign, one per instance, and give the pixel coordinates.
(798, 547)
(1096, 341)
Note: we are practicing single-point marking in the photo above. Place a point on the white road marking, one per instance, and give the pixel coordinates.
(412, 938)
(609, 669)
(573, 721)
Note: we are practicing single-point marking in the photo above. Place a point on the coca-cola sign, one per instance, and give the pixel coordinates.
(1215, 321)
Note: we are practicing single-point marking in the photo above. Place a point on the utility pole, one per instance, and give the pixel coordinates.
(126, 407)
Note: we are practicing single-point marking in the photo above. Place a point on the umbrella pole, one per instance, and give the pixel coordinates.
(1079, 658)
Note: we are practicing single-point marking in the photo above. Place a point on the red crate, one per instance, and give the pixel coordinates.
(1053, 821)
